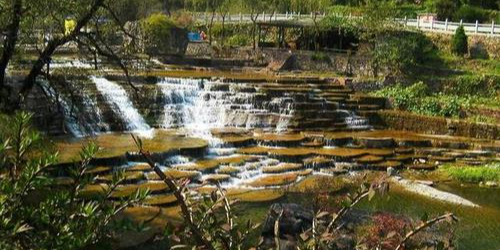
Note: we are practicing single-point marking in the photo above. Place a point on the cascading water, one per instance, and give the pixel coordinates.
(121, 104)
(82, 119)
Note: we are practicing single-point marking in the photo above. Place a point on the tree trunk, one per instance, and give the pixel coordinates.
(10, 42)
(210, 28)
(166, 7)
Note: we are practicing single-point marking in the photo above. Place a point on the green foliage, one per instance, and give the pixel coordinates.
(417, 98)
(401, 52)
(239, 40)
(459, 44)
(156, 29)
(443, 8)
(321, 57)
(489, 172)
(470, 14)
(35, 213)
(404, 97)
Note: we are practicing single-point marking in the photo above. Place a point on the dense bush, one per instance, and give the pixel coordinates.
(490, 172)
(320, 57)
(38, 213)
(239, 40)
(470, 14)
(416, 98)
(156, 29)
(459, 44)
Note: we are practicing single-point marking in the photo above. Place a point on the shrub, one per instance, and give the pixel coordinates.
(238, 40)
(404, 97)
(490, 172)
(35, 212)
(400, 52)
(470, 14)
(156, 29)
(459, 44)
(320, 57)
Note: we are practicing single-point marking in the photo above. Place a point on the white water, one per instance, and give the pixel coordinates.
(121, 104)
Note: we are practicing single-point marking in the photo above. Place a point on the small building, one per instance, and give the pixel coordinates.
(427, 17)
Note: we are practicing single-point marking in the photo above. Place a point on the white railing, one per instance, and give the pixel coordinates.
(490, 29)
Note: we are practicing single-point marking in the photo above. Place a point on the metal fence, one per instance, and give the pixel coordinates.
(490, 29)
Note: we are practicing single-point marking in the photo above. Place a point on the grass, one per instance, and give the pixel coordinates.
(475, 174)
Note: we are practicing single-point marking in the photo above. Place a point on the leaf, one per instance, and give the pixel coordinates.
(304, 236)
(391, 234)
(371, 194)
(424, 216)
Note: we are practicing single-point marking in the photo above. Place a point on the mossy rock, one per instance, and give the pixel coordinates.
(251, 195)
(402, 158)
(426, 167)
(318, 162)
(127, 190)
(404, 150)
(377, 142)
(99, 170)
(291, 152)
(342, 153)
(132, 176)
(441, 159)
(253, 151)
(94, 190)
(228, 170)
(369, 159)
(139, 167)
(386, 164)
(334, 171)
(62, 181)
(215, 178)
(274, 180)
(318, 183)
(312, 144)
(118, 144)
(209, 165)
(174, 174)
(281, 168)
(161, 199)
(280, 139)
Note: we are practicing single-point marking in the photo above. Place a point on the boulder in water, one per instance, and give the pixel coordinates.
(294, 221)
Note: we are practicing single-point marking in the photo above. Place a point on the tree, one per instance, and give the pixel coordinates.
(211, 6)
(36, 212)
(459, 44)
(256, 7)
(316, 7)
(156, 29)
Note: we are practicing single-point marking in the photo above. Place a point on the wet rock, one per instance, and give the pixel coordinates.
(391, 171)
(491, 184)
(294, 221)
(427, 183)
(377, 142)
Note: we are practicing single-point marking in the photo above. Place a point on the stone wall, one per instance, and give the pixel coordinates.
(398, 120)
(479, 46)
(305, 60)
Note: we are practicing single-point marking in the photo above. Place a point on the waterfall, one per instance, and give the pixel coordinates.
(70, 121)
(82, 119)
(119, 101)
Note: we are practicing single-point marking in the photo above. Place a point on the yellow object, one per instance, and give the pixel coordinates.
(69, 26)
